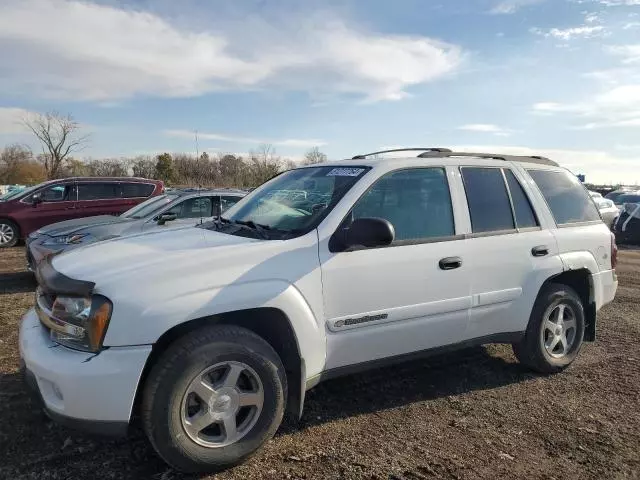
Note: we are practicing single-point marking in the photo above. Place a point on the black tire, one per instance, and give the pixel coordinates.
(15, 231)
(168, 380)
(531, 350)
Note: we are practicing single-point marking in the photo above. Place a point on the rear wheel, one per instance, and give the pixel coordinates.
(555, 332)
(213, 398)
(9, 234)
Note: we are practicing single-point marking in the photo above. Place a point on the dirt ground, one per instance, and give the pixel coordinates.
(472, 414)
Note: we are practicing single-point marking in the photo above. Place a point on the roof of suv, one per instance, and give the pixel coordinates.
(439, 152)
(103, 179)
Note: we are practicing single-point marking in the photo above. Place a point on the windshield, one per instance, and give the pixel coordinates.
(628, 198)
(13, 194)
(149, 207)
(297, 200)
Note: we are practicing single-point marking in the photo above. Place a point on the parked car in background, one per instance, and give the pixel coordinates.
(176, 209)
(616, 194)
(68, 198)
(595, 194)
(628, 197)
(627, 226)
(209, 334)
(7, 189)
(608, 210)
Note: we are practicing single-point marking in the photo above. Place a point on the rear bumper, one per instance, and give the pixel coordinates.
(90, 392)
(605, 286)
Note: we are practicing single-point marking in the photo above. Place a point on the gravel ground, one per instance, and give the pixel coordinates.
(472, 414)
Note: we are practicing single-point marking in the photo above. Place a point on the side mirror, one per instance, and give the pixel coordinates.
(167, 217)
(36, 199)
(363, 232)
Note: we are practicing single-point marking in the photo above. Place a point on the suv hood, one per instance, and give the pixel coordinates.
(174, 253)
(77, 225)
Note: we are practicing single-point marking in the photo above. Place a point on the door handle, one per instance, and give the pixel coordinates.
(450, 263)
(540, 251)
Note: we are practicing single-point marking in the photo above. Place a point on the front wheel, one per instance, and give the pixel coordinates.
(213, 398)
(9, 234)
(555, 332)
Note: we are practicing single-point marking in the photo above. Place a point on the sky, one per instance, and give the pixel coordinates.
(559, 78)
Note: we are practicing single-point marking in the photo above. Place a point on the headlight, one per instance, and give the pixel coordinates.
(78, 322)
(65, 239)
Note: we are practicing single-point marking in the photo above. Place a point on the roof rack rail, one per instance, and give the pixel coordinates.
(428, 149)
(496, 156)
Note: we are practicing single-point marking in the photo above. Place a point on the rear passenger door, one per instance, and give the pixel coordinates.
(98, 198)
(513, 254)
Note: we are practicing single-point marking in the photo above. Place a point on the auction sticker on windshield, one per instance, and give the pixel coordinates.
(345, 172)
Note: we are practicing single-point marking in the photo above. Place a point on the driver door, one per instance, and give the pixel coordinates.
(58, 203)
(410, 296)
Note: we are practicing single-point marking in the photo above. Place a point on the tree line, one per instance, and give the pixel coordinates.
(60, 137)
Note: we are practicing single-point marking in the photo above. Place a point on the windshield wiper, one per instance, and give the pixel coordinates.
(256, 227)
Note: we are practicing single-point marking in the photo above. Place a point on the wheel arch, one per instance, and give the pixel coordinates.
(14, 222)
(271, 324)
(581, 281)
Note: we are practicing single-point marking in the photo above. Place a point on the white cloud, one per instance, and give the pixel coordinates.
(597, 165)
(290, 142)
(616, 107)
(106, 53)
(11, 120)
(507, 7)
(630, 25)
(619, 3)
(583, 31)
(630, 53)
(486, 128)
(591, 18)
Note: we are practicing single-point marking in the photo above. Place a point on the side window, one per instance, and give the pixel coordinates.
(488, 199)
(55, 193)
(521, 205)
(97, 191)
(133, 190)
(227, 201)
(567, 198)
(416, 202)
(195, 207)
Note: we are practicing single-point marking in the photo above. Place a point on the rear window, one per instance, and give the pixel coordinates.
(567, 198)
(133, 190)
(488, 199)
(628, 198)
(97, 191)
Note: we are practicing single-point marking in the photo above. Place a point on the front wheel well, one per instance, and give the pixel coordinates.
(11, 220)
(581, 281)
(269, 323)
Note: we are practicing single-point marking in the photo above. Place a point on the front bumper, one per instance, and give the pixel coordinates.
(90, 392)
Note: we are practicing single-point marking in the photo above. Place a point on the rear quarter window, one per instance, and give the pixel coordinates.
(567, 198)
(133, 190)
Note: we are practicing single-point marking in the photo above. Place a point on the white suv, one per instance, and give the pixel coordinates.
(209, 334)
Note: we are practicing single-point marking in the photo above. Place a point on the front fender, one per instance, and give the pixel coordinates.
(156, 319)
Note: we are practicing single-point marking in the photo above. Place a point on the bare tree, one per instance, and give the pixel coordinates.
(108, 167)
(314, 156)
(144, 166)
(59, 135)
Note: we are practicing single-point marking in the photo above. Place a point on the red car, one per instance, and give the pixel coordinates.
(24, 212)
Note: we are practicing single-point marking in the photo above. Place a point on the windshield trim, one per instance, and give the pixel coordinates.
(286, 235)
(151, 200)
